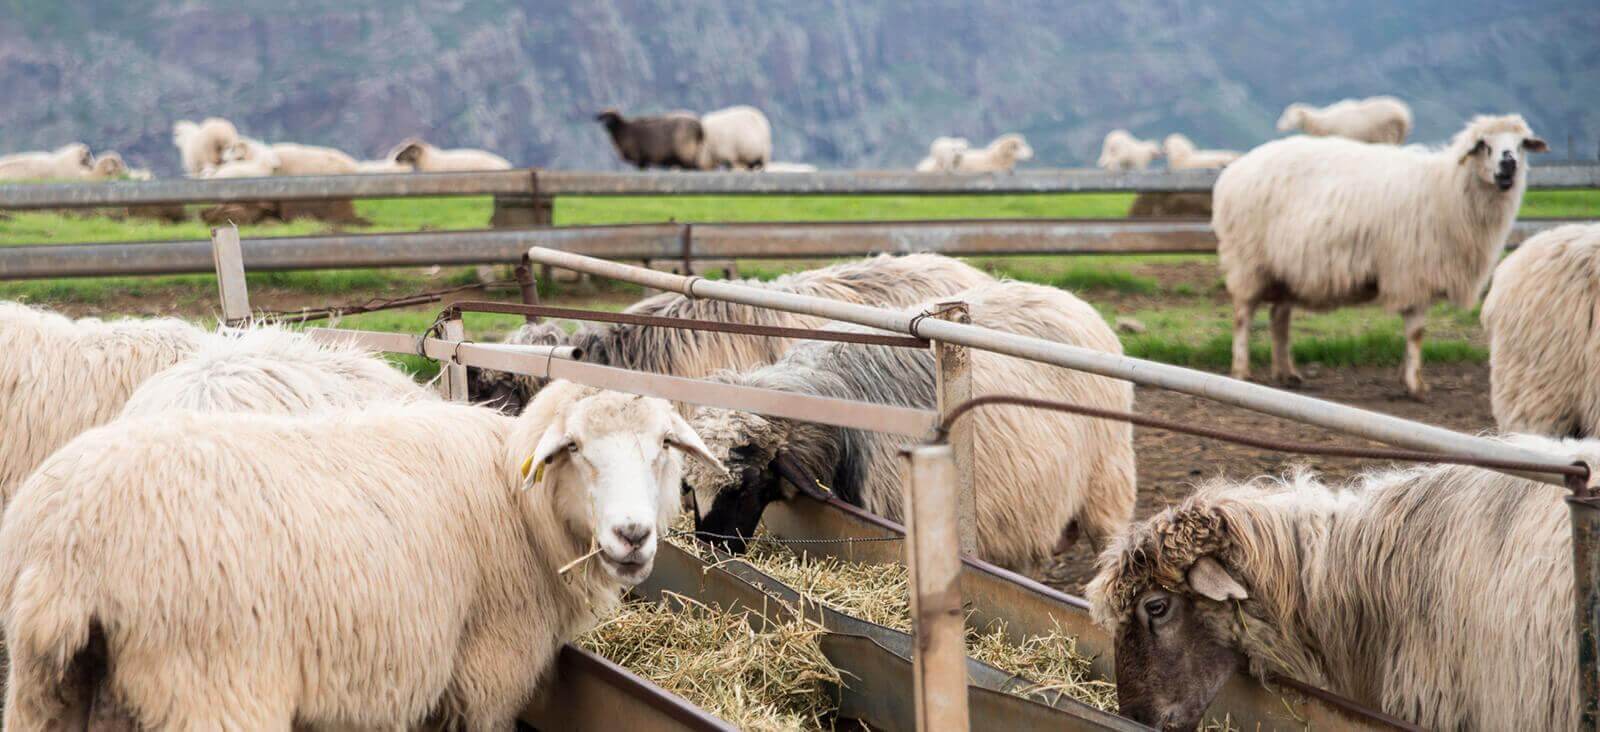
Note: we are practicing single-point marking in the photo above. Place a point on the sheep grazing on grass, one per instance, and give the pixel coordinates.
(880, 280)
(1322, 222)
(668, 141)
(1001, 156)
(1041, 477)
(296, 159)
(1374, 119)
(737, 137)
(201, 146)
(943, 155)
(1122, 151)
(1182, 155)
(1544, 350)
(68, 162)
(425, 158)
(1442, 595)
(370, 569)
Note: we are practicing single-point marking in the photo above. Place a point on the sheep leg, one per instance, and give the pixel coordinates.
(1243, 313)
(1283, 369)
(1415, 320)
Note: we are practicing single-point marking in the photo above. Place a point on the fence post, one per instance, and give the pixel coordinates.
(526, 284)
(455, 374)
(939, 663)
(1584, 509)
(953, 382)
(228, 257)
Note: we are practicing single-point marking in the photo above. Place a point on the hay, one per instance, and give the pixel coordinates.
(775, 679)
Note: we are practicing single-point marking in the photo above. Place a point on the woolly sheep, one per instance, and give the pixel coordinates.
(65, 162)
(671, 140)
(943, 154)
(383, 166)
(1182, 155)
(1122, 151)
(1442, 595)
(296, 159)
(247, 157)
(201, 146)
(1374, 119)
(881, 280)
(426, 158)
(108, 166)
(1322, 222)
(1544, 351)
(1041, 477)
(370, 569)
(738, 137)
(1002, 155)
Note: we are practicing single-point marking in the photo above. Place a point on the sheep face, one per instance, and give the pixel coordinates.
(1293, 117)
(1014, 148)
(1495, 148)
(110, 165)
(610, 117)
(729, 503)
(410, 153)
(609, 464)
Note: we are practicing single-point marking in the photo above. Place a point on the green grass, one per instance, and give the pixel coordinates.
(1561, 204)
(637, 209)
(1367, 349)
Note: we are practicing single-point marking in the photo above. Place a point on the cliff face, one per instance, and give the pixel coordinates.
(847, 84)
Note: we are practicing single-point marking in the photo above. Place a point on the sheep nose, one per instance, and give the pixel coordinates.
(634, 535)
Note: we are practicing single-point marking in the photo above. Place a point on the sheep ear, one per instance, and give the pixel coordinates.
(1471, 151)
(1536, 144)
(555, 439)
(1208, 578)
(683, 437)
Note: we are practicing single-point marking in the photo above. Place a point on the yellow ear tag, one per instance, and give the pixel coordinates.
(538, 474)
(527, 465)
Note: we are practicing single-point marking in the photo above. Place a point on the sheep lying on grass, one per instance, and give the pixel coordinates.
(1442, 595)
(668, 141)
(1041, 477)
(1322, 222)
(297, 159)
(1122, 151)
(1001, 156)
(67, 162)
(943, 154)
(1182, 155)
(1374, 119)
(201, 146)
(1544, 350)
(376, 569)
(737, 137)
(425, 158)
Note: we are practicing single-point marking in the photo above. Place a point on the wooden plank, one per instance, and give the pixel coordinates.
(939, 661)
(455, 372)
(953, 381)
(228, 259)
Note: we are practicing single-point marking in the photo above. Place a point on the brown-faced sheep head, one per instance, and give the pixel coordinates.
(728, 505)
(610, 117)
(410, 151)
(1496, 149)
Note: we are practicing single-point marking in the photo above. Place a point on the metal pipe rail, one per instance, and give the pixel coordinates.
(1329, 415)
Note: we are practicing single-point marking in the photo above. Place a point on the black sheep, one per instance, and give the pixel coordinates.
(668, 141)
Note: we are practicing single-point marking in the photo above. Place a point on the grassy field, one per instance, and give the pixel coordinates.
(1178, 298)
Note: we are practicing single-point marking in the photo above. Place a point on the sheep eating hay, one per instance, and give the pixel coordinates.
(1544, 349)
(1322, 222)
(371, 569)
(1374, 119)
(1040, 476)
(1442, 595)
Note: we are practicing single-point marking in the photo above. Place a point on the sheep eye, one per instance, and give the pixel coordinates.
(1157, 607)
(572, 447)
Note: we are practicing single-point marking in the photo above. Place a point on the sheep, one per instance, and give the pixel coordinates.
(1002, 155)
(66, 162)
(782, 167)
(1544, 351)
(1182, 155)
(200, 146)
(426, 158)
(65, 376)
(880, 280)
(246, 158)
(1375, 119)
(1442, 595)
(374, 569)
(1041, 477)
(296, 159)
(943, 154)
(739, 137)
(383, 166)
(109, 166)
(1322, 222)
(1122, 151)
(668, 141)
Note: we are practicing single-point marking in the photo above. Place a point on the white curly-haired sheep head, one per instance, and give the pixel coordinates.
(1014, 146)
(1497, 148)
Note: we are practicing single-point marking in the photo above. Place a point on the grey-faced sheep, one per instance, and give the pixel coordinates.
(425, 158)
(1322, 222)
(943, 154)
(881, 280)
(371, 569)
(1544, 350)
(738, 137)
(1041, 477)
(668, 141)
(68, 162)
(297, 159)
(1001, 156)
(109, 166)
(1375, 119)
(1182, 155)
(201, 146)
(1122, 151)
(1442, 595)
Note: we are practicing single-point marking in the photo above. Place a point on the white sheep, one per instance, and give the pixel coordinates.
(1182, 155)
(1323, 222)
(739, 137)
(108, 166)
(782, 167)
(1442, 595)
(1122, 151)
(201, 145)
(368, 569)
(1001, 156)
(943, 153)
(67, 162)
(246, 157)
(426, 158)
(296, 159)
(383, 166)
(1544, 349)
(1374, 119)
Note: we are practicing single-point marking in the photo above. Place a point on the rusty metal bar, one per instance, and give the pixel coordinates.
(276, 188)
(591, 694)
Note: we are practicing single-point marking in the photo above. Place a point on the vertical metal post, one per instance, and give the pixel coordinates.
(526, 284)
(939, 664)
(954, 386)
(1584, 508)
(455, 374)
(228, 257)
